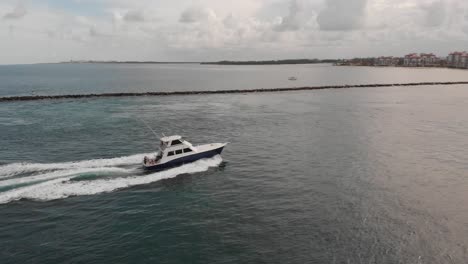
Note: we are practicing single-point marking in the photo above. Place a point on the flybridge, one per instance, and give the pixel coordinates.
(170, 138)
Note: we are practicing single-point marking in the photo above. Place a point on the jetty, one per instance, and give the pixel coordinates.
(203, 92)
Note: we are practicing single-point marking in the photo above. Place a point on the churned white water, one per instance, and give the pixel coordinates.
(20, 168)
(58, 184)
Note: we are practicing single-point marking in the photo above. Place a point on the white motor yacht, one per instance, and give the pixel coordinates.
(175, 151)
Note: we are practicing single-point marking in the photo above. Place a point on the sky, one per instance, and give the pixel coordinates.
(34, 31)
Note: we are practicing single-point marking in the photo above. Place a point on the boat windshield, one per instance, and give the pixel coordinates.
(162, 145)
(159, 155)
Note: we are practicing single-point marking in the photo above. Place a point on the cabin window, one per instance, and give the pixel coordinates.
(171, 153)
(187, 150)
(176, 142)
(179, 151)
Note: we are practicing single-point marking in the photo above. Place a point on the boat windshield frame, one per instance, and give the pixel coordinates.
(162, 145)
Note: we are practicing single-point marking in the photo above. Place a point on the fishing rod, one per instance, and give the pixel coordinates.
(146, 124)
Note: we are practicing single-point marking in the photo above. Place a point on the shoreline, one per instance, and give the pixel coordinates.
(236, 91)
(404, 67)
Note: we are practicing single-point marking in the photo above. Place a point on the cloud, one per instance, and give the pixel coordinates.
(435, 14)
(197, 14)
(134, 16)
(18, 12)
(93, 32)
(11, 30)
(290, 22)
(342, 15)
(241, 29)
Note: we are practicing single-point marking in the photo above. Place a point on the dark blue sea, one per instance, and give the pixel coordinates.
(365, 175)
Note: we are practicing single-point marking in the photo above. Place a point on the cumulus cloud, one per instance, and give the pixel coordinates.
(241, 29)
(93, 32)
(291, 22)
(134, 16)
(342, 15)
(197, 14)
(11, 30)
(435, 13)
(18, 12)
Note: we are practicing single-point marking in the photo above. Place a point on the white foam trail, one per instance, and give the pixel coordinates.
(61, 188)
(19, 168)
(61, 174)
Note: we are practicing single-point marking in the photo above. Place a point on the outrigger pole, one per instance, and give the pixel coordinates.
(146, 124)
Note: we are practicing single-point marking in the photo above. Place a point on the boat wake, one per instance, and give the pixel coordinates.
(44, 182)
(21, 168)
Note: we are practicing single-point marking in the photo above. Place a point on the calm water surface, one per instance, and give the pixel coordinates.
(49, 79)
(334, 176)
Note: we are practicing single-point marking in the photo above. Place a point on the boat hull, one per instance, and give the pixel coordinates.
(185, 160)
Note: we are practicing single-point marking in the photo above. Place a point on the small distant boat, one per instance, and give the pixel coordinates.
(292, 78)
(175, 151)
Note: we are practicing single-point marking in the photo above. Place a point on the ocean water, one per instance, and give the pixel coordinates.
(333, 176)
(54, 79)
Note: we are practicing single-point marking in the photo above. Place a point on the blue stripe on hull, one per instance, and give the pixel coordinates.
(187, 159)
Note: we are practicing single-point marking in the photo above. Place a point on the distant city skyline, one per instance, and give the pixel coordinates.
(33, 31)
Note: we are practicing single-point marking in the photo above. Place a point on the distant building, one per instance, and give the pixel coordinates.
(412, 60)
(429, 60)
(453, 60)
(464, 61)
(422, 60)
(386, 61)
(458, 60)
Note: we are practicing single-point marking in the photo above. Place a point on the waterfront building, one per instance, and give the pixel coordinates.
(429, 60)
(422, 60)
(463, 62)
(458, 60)
(412, 60)
(386, 61)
